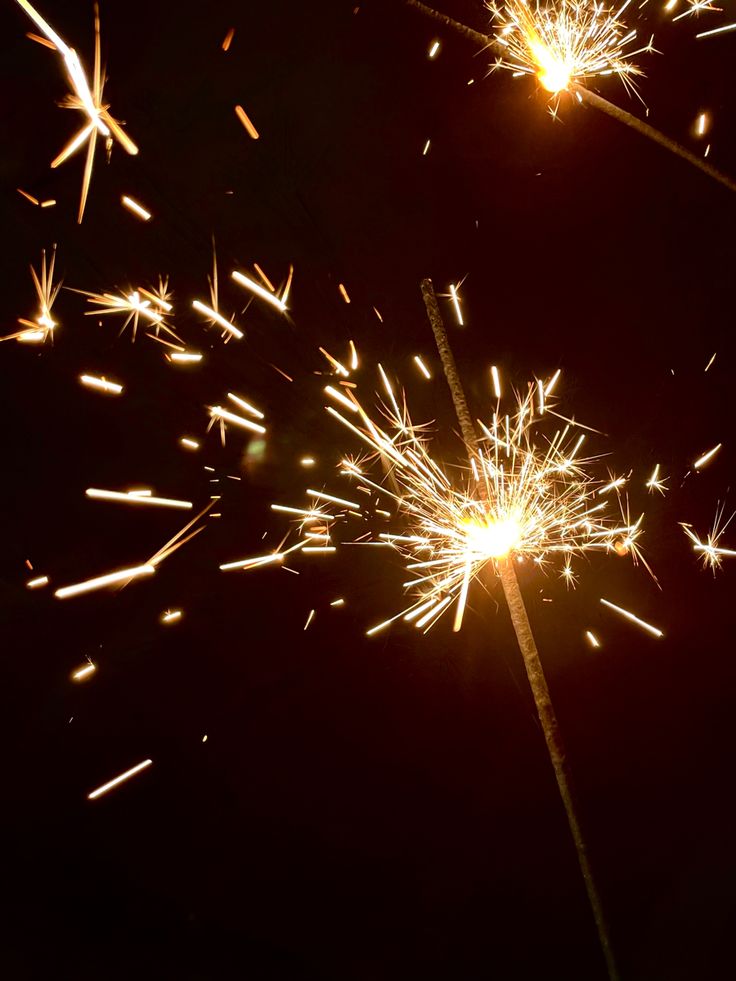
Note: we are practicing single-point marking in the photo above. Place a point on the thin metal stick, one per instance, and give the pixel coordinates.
(525, 639)
(589, 98)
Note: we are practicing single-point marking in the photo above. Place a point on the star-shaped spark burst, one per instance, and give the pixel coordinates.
(149, 305)
(567, 41)
(36, 331)
(212, 314)
(711, 553)
(86, 99)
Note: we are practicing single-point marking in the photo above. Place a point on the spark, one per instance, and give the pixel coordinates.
(634, 619)
(496, 381)
(552, 382)
(118, 780)
(592, 639)
(706, 457)
(135, 498)
(343, 292)
(245, 120)
(307, 461)
(136, 208)
(101, 384)
(190, 444)
(309, 619)
(254, 287)
(433, 49)
(136, 305)
(81, 673)
(228, 39)
(185, 357)
(338, 602)
(711, 553)
(656, 482)
(425, 151)
(36, 331)
(456, 304)
(217, 412)
(713, 358)
(37, 582)
(246, 406)
(86, 99)
(701, 124)
(353, 357)
(339, 368)
(122, 575)
(171, 616)
(717, 30)
(422, 367)
(565, 42)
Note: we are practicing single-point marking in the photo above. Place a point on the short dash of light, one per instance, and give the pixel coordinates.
(245, 120)
(101, 384)
(422, 367)
(118, 780)
(171, 616)
(189, 444)
(456, 304)
(701, 124)
(496, 381)
(185, 357)
(425, 151)
(81, 673)
(307, 461)
(228, 39)
(309, 619)
(343, 292)
(338, 602)
(592, 639)
(706, 457)
(634, 619)
(433, 49)
(37, 582)
(136, 208)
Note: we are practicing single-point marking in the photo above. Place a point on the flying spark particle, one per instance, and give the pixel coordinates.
(250, 284)
(425, 151)
(171, 616)
(101, 384)
(307, 461)
(249, 127)
(713, 358)
(456, 304)
(37, 582)
(496, 381)
(343, 292)
(592, 639)
(634, 619)
(706, 457)
(189, 444)
(701, 123)
(131, 497)
(118, 780)
(422, 367)
(717, 30)
(100, 582)
(309, 619)
(81, 673)
(228, 39)
(338, 602)
(433, 49)
(185, 357)
(136, 208)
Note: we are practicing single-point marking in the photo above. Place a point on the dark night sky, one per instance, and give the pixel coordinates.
(361, 809)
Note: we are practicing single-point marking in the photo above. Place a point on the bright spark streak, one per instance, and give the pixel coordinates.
(496, 381)
(81, 673)
(338, 396)
(245, 406)
(227, 40)
(122, 575)
(307, 461)
(711, 553)
(717, 30)
(656, 482)
(552, 382)
(171, 616)
(706, 457)
(425, 151)
(37, 582)
(456, 304)
(217, 412)
(136, 208)
(254, 287)
(592, 639)
(185, 357)
(319, 549)
(217, 318)
(245, 120)
(422, 367)
(713, 358)
(334, 500)
(353, 357)
(434, 49)
(634, 619)
(134, 498)
(309, 619)
(101, 384)
(700, 125)
(338, 602)
(118, 780)
(190, 444)
(339, 368)
(343, 293)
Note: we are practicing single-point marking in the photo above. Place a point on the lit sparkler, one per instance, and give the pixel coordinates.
(567, 41)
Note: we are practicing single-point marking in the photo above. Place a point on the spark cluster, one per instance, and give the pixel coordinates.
(566, 41)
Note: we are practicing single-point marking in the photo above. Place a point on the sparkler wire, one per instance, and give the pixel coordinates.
(587, 97)
(526, 642)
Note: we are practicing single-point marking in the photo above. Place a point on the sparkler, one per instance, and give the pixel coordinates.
(555, 71)
(86, 99)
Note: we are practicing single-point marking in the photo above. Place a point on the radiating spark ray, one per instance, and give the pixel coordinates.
(130, 498)
(136, 208)
(706, 457)
(118, 780)
(254, 287)
(107, 580)
(634, 619)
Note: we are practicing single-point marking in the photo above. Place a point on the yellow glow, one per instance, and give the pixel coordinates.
(81, 673)
(136, 208)
(101, 581)
(492, 537)
(553, 74)
(101, 384)
(117, 780)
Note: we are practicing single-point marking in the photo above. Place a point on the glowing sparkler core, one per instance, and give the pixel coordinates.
(565, 41)
(492, 538)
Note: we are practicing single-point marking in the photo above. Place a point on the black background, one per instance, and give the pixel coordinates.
(361, 808)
